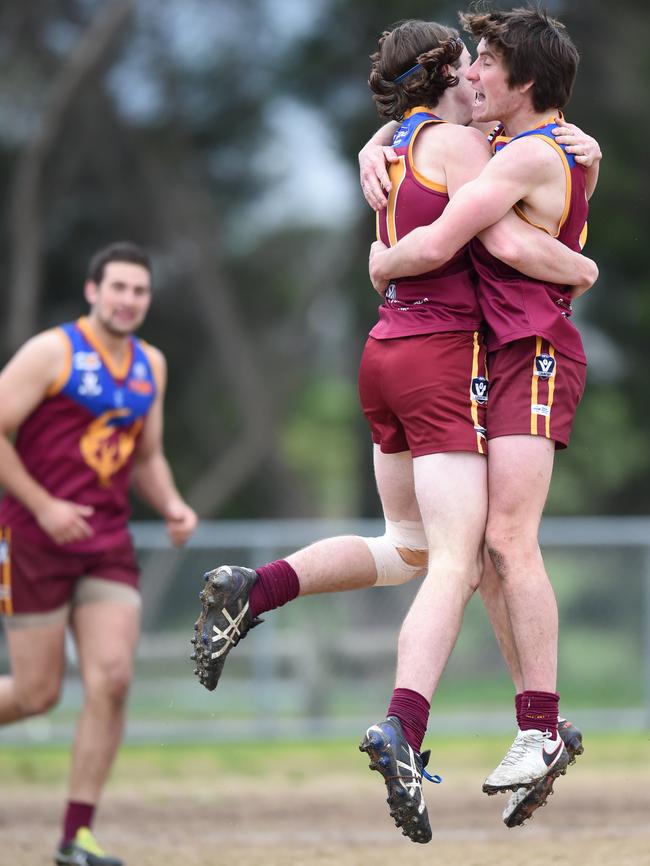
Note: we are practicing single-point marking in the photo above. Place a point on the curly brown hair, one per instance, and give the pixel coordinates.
(534, 47)
(432, 46)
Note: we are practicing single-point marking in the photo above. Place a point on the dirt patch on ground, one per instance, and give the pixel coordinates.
(595, 818)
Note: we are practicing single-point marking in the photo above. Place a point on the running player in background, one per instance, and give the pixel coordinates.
(523, 75)
(423, 390)
(86, 401)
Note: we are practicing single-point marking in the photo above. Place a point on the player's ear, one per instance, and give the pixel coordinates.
(90, 291)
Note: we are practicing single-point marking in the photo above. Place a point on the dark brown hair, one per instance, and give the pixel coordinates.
(534, 47)
(431, 45)
(120, 251)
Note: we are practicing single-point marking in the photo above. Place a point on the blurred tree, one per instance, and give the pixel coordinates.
(203, 129)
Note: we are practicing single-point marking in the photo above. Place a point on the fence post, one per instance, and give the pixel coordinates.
(646, 636)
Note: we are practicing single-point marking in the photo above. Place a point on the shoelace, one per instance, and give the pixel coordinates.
(519, 748)
(436, 779)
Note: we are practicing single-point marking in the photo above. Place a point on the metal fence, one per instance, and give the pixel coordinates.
(323, 665)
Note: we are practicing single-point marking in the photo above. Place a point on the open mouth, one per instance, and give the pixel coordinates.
(479, 98)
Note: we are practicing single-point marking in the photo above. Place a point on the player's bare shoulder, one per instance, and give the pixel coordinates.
(532, 153)
(457, 137)
(43, 357)
(32, 374)
(158, 363)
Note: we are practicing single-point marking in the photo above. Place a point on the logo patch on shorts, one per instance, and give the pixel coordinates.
(4, 552)
(478, 390)
(540, 409)
(544, 366)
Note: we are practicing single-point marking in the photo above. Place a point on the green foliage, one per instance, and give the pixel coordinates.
(196, 105)
(319, 444)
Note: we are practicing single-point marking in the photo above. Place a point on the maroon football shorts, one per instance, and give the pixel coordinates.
(534, 391)
(425, 393)
(36, 579)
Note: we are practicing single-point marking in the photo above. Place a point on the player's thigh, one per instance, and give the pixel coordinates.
(36, 649)
(519, 475)
(106, 632)
(395, 484)
(451, 489)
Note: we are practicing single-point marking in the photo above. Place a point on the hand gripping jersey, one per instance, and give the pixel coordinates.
(441, 300)
(516, 306)
(79, 442)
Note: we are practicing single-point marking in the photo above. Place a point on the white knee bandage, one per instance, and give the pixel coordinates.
(401, 553)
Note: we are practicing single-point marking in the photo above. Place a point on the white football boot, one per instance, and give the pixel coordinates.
(533, 756)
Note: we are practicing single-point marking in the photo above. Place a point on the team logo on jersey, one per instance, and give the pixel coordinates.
(391, 292)
(400, 135)
(140, 386)
(107, 444)
(140, 370)
(86, 361)
(478, 390)
(118, 398)
(4, 552)
(544, 366)
(89, 386)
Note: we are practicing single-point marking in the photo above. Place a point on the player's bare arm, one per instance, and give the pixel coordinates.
(373, 160)
(511, 240)
(585, 149)
(504, 182)
(24, 383)
(538, 255)
(152, 477)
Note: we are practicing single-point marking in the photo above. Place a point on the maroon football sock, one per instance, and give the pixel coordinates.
(276, 584)
(518, 698)
(412, 709)
(76, 815)
(539, 711)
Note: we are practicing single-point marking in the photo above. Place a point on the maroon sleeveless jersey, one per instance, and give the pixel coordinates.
(441, 300)
(516, 306)
(79, 442)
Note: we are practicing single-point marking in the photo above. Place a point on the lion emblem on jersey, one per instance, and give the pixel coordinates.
(106, 447)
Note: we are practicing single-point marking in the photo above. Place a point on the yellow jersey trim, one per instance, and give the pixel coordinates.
(422, 178)
(63, 376)
(567, 190)
(117, 371)
(397, 175)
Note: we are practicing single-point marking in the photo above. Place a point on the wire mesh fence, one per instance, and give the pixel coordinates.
(324, 665)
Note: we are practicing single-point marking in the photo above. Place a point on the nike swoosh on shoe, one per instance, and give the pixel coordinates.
(550, 758)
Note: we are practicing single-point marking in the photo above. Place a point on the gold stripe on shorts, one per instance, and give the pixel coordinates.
(534, 398)
(551, 389)
(475, 357)
(6, 604)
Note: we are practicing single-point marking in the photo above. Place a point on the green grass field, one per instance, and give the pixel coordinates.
(43, 764)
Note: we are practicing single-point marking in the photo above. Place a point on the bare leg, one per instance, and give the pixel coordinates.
(495, 604)
(345, 563)
(452, 496)
(106, 635)
(37, 664)
(520, 470)
(334, 565)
